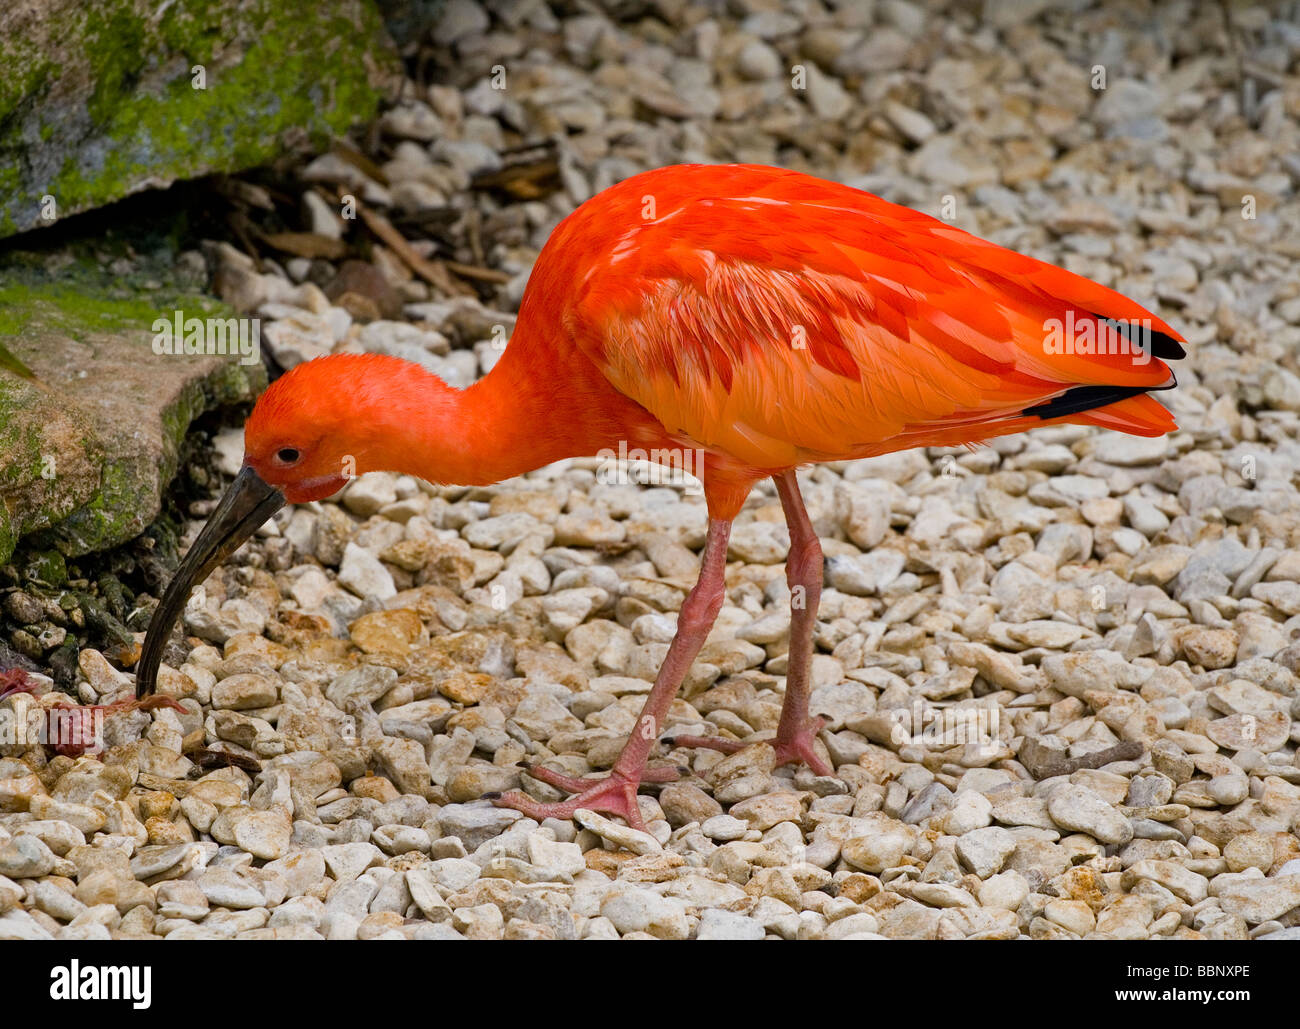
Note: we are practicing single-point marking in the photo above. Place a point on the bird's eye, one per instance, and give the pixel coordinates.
(287, 455)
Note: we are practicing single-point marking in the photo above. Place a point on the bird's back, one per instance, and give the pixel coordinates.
(776, 319)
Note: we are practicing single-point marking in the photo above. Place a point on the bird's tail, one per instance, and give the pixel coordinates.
(1141, 415)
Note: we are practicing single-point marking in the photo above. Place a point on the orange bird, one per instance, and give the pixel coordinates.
(760, 317)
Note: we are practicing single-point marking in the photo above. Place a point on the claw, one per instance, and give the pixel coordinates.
(614, 795)
(798, 748)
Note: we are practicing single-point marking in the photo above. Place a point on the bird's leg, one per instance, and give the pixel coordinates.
(616, 793)
(796, 733)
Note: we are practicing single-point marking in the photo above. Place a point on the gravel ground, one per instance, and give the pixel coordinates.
(1103, 625)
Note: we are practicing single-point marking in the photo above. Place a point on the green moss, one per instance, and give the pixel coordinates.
(69, 309)
(14, 440)
(240, 120)
(28, 76)
(10, 178)
(75, 516)
(84, 298)
(8, 534)
(110, 516)
(117, 45)
(46, 567)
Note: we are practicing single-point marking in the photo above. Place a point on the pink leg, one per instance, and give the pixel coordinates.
(616, 794)
(796, 733)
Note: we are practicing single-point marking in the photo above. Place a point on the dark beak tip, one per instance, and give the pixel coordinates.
(246, 505)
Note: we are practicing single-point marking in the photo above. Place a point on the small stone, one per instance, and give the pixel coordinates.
(1209, 648)
(25, 857)
(16, 794)
(624, 836)
(633, 909)
(180, 898)
(244, 692)
(475, 825)
(1082, 810)
(724, 828)
(1228, 789)
(481, 922)
(346, 861)
(1006, 890)
(364, 574)
(1072, 915)
(1249, 850)
(972, 811)
(58, 835)
(386, 632)
(1181, 882)
(169, 860)
(425, 893)
(985, 850)
(559, 859)
(866, 575)
(770, 809)
(264, 834)
(19, 925)
(301, 872)
(453, 874)
(683, 803)
(365, 684)
(717, 924)
(225, 888)
(883, 847)
(1250, 732)
(1259, 900)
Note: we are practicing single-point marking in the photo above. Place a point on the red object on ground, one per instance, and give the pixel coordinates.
(739, 321)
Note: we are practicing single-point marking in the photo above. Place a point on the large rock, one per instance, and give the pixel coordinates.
(86, 451)
(98, 101)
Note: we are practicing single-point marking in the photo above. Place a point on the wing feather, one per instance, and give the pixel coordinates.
(779, 319)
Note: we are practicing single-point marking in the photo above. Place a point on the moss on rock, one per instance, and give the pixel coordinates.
(86, 452)
(100, 101)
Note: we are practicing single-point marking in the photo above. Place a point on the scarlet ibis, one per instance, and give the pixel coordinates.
(760, 317)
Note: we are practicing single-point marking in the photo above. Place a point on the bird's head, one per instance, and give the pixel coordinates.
(315, 428)
(304, 435)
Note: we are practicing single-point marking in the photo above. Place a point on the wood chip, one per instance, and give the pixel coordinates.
(307, 244)
(360, 161)
(529, 179)
(433, 272)
(1045, 762)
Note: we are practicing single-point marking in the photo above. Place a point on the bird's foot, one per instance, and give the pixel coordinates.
(800, 746)
(791, 748)
(614, 794)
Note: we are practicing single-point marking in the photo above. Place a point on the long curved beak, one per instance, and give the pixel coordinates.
(245, 506)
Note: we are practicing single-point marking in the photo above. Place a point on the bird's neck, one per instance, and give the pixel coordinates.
(518, 417)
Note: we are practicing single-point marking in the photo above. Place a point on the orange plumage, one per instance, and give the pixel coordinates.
(766, 318)
(761, 317)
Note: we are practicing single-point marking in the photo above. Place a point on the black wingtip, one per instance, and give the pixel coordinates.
(1165, 347)
(1140, 334)
(1087, 398)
